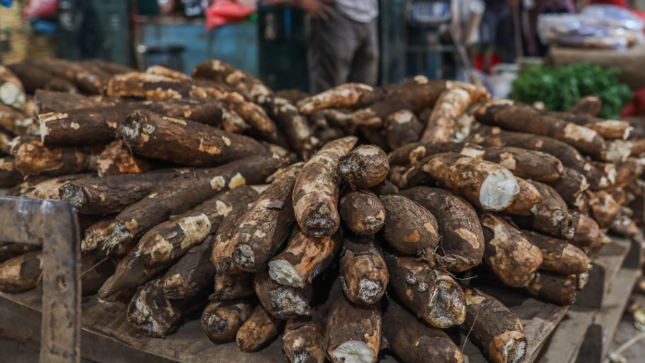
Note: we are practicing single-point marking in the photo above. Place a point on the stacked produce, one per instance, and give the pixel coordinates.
(282, 213)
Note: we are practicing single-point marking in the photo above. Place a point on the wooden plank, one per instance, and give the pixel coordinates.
(564, 343)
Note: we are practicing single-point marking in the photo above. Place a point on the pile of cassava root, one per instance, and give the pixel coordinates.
(283, 213)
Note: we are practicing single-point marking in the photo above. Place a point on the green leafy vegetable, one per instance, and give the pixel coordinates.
(561, 87)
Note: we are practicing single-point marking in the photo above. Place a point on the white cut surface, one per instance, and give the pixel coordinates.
(498, 190)
(353, 352)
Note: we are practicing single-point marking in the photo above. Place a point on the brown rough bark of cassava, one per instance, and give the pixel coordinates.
(430, 293)
(111, 194)
(550, 216)
(589, 105)
(363, 272)
(221, 72)
(410, 228)
(9, 176)
(292, 123)
(265, 226)
(34, 78)
(353, 333)
(12, 93)
(441, 126)
(21, 273)
(258, 330)
(362, 212)
(118, 159)
(184, 142)
(186, 191)
(528, 164)
(402, 128)
(97, 233)
(167, 72)
(222, 320)
(626, 173)
(5, 142)
(303, 259)
(231, 287)
(586, 230)
(604, 209)
(9, 250)
(485, 184)
(511, 257)
(151, 312)
(32, 157)
(49, 188)
(15, 121)
(303, 340)
(415, 342)
(52, 101)
(462, 239)
(315, 194)
(558, 255)
(364, 167)
(570, 185)
(411, 154)
(89, 80)
(552, 287)
(526, 199)
(348, 95)
(282, 301)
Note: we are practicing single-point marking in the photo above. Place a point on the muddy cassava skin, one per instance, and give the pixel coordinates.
(109, 67)
(362, 212)
(411, 154)
(9, 250)
(222, 320)
(183, 141)
(526, 199)
(505, 114)
(49, 188)
(291, 122)
(494, 328)
(242, 82)
(430, 293)
(21, 273)
(165, 71)
(118, 159)
(415, 342)
(589, 105)
(441, 126)
(627, 172)
(96, 234)
(485, 184)
(363, 272)
(462, 238)
(186, 191)
(9, 177)
(265, 226)
(111, 194)
(182, 232)
(553, 287)
(231, 287)
(51, 101)
(15, 121)
(508, 253)
(5, 142)
(348, 95)
(558, 255)
(604, 209)
(258, 330)
(303, 340)
(315, 194)
(374, 136)
(88, 80)
(550, 216)
(303, 259)
(12, 93)
(402, 128)
(283, 302)
(32, 157)
(409, 227)
(570, 185)
(586, 230)
(99, 124)
(385, 188)
(340, 118)
(607, 129)
(364, 167)
(34, 78)
(568, 155)
(528, 164)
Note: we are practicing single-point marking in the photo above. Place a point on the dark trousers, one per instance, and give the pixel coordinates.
(342, 50)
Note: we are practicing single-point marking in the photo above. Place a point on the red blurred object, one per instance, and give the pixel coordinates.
(40, 8)
(637, 106)
(225, 11)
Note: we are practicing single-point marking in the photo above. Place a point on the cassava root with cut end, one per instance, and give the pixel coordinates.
(315, 194)
(117, 159)
(353, 333)
(526, 199)
(415, 342)
(528, 164)
(570, 185)
(589, 105)
(303, 259)
(441, 126)
(411, 154)
(511, 257)
(282, 301)
(558, 255)
(303, 340)
(402, 128)
(362, 212)
(604, 209)
(550, 216)
(231, 287)
(349, 95)
(12, 93)
(222, 320)
(363, 272)
(586, 230)
(462, 239)
(364, 167)
(21, 273)
(32, 157)
(258, 330)
(494, 328)
(552, 287)
(485, 184)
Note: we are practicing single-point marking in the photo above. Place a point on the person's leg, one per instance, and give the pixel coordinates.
(364, 67)
(331, 47)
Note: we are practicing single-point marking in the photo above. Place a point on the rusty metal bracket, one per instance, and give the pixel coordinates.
(53, 225)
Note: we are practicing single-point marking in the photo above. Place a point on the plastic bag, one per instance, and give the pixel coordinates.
(613, 16)
(40, 8)
(224, 11)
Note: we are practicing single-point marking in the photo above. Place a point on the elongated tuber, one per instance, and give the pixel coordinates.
(558, 255)
(258, 330)
(222, 320)
(363, 272)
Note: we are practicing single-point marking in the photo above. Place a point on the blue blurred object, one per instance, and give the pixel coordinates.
(43, 26)
(6, 3)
